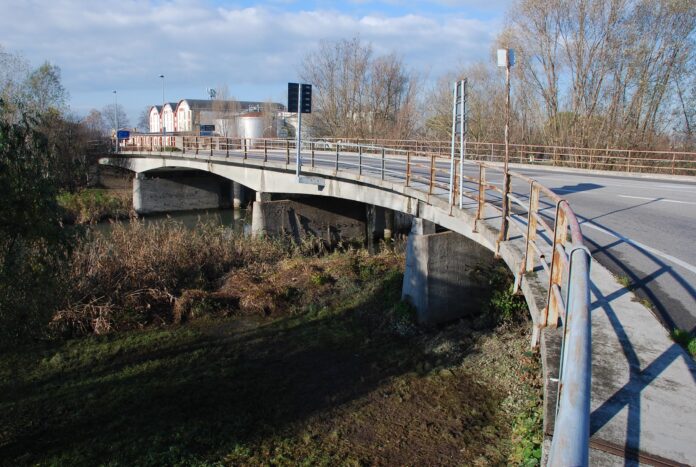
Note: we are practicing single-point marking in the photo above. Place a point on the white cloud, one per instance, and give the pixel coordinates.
(127, 44)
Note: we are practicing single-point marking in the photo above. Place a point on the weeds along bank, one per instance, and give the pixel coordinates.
(95, 205)
(205, 347)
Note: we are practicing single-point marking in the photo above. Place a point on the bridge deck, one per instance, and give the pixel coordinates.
(643, 384)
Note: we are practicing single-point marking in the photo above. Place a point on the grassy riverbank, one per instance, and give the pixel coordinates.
(259, 352)
(94, 205)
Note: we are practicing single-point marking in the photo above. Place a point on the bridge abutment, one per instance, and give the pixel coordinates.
(441, 279)
(179, 191)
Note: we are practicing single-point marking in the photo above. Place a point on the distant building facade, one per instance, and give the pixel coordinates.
(246, 119)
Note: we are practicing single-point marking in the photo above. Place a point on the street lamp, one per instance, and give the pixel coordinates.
(506, 58)
(162, 76)
(116, 118)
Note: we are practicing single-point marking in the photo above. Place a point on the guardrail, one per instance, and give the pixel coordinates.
(622, 160)
(552, 239)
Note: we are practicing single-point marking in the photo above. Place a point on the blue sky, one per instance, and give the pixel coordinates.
(254, 48)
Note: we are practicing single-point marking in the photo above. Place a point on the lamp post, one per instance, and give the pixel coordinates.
(506, 58)
(162, 76)
(116, 118)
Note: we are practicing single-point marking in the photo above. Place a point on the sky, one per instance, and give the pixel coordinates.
(254, 48)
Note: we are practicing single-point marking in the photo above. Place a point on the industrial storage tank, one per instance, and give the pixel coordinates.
(251, 125)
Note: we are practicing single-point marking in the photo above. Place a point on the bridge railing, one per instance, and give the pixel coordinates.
(670, 162)
(538, 219)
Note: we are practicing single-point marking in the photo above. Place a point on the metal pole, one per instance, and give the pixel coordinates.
(298, 157)
(454, 140)
(506, 184)
(462, 142)
(162, 76)
(116, 118)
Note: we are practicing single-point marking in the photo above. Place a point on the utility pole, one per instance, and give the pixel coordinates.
(506, 58)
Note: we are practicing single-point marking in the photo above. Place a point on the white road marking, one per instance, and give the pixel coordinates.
(677, 261)
(656, 199)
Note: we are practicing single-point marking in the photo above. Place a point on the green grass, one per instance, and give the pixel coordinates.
(327, 379)
(94, 205)
(685, 339)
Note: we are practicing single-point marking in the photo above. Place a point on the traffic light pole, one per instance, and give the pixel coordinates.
(298, 157)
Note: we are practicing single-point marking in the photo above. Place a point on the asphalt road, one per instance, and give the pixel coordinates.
(641, 229)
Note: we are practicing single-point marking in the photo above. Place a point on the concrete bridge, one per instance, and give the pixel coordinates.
(638, 405)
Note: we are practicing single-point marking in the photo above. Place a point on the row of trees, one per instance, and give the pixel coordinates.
(589, 73)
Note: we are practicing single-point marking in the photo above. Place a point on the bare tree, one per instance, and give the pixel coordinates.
(115, 116)
(358, 95)
(226, 111)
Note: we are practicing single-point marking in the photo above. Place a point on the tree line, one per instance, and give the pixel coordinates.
(589, 73)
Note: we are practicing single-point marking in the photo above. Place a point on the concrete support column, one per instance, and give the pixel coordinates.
(237, 195)
(178, 191)
(263, 196)
(388, 224)
(441, 279)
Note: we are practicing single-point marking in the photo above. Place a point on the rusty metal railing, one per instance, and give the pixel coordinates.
(670, 162)
(539, 220)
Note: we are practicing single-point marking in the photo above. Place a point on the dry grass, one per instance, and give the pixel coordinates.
(133, 276)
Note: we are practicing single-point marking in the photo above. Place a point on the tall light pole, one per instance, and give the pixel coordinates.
(116, 110)
(162, 76)
(116, 118)
(506, 58)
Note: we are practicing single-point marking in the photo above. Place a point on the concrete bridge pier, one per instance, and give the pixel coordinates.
(237, 195)
(179, 190)
(442, 278)
(331, 220)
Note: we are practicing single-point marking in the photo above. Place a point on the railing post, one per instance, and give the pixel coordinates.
(491, 158)
(481, 195)
(245, 148)
(287, 152)
(265, 150)
(212, 140)
(505, 222)
(408, 167)
(674, 157)
(628, 161)
(528, 264)
(359, 160)
(550, 316)
(338, 146)
(432, 174)
(196, 145)
(311, 148)
(151, 143)
(382, 163)
(227, 147)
